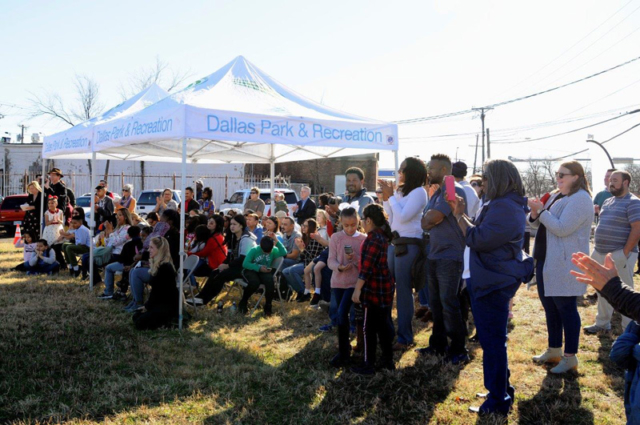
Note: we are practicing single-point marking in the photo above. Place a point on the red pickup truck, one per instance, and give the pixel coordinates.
(11, 213)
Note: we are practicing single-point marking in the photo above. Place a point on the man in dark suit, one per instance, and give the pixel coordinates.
(305, 207)
(104, 206)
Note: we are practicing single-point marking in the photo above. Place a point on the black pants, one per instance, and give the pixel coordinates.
(57, 248)
(254, 280)
(527, 242)
(378, 325)
(154, 319)
(216, 282)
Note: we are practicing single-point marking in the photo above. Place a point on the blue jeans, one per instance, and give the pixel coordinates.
(423, 294)
(491, 313)
(109, 274)
(344, 303)
(444, 285)
(42, 268)
(202, 270)
(294, 275)
(400, 268)
(562, 315)
(138, 278)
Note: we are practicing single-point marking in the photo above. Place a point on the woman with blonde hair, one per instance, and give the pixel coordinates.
(161, 309)
(33, 212)
(564, 227)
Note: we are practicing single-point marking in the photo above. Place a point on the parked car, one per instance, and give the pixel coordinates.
(10, 212)
(84, 201)
(239, 198)
(146, 201)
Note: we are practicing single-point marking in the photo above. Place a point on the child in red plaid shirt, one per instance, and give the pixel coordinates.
(375, 288)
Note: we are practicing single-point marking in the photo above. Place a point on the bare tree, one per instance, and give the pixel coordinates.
(160, 73)
(86, 106)
(634, 170)
(539, 177)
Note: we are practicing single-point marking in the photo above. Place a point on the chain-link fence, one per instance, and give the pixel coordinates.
(222, 186)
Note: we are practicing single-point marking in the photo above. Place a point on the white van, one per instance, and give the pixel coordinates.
(146, 201)
(238, 199)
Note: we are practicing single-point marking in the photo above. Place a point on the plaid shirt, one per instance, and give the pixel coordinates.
(374, 270)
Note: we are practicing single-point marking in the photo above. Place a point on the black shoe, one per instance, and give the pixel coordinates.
(303, 298)
(119, 296)
(390, 365)
(458, 359)
(75, 273)
(315, 299)
(104, 296)
(363, 370)
(339, 361)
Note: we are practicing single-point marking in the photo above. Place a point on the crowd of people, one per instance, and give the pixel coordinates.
(460, 246)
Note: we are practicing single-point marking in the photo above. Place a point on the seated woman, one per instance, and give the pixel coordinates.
(139, 276)
(271, 224)
(127, 201)
(162, 307)
(239, 241)
(209, 246)
(115, 236)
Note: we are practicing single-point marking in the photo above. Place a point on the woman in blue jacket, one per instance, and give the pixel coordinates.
(495, 266)
(625, 352)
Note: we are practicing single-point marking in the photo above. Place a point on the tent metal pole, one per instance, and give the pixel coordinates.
(92, 220)
(42, 195)
(183, 184)
(397, 162)
(272, 171)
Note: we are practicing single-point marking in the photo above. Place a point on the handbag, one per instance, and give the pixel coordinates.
(102, 255)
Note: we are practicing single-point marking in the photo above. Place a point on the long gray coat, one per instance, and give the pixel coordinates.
(568, 226)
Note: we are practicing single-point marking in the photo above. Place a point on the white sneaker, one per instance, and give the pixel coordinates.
(594, 329)
(566, 364)
(552, 355)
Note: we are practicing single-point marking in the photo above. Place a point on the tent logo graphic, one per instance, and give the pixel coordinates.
(389, 140)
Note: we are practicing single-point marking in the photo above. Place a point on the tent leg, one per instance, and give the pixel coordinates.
(272, 171)
(397, 162)
(92, 221)
(44, 165)
(183, 184)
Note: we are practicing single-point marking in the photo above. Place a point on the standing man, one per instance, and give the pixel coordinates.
(104, 206)
(55, 187)
(459, 171)
(618, 233)
(191, 204)
(106, 188)
(355, 190)
(604, 194)
(254, 203)
(445, 264)
(305, 208)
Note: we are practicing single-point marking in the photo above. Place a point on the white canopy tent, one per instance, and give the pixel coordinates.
(239, 114)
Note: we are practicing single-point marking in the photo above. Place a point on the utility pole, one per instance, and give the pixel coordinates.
(475, 157)
(482, 115)
(488, 145)
(23, 127)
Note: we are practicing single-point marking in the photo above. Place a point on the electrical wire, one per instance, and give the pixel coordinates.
(507, 102)
(563, 133)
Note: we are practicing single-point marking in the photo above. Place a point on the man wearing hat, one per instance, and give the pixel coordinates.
(53, 186)
(459, 171)
(104, 205)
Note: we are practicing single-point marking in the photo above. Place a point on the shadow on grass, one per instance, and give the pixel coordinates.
(559, 401)
(66, 355)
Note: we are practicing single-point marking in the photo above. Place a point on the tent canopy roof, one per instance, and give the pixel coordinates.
(239, 114)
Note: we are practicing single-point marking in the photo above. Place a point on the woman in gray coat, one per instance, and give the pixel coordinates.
(564, 226)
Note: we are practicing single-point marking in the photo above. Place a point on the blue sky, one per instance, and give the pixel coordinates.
(384, 60)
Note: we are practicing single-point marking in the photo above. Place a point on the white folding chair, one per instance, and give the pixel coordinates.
(277, 264)
(189, 267)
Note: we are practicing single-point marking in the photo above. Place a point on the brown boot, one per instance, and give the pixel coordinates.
(359, 348)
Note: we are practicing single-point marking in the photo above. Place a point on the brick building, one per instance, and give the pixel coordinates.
(323, 175)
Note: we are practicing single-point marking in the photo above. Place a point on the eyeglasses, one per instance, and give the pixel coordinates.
(254, 193)
(476, 184)
(378, 191)
(561, 175)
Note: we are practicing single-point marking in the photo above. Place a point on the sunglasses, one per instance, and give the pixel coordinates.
(475, 184)
(561, 175)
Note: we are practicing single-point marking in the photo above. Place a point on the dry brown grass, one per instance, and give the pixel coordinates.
(66, 356)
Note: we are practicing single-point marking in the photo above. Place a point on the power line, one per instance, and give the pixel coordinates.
(569, 49)
(506, 102)
(565, 132)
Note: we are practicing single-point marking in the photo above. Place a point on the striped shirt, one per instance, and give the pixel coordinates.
(614, 226)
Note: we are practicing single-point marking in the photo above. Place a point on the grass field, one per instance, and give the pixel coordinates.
(67, 357)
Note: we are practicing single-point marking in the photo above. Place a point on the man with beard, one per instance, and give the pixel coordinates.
(617, 233)
(355, 192)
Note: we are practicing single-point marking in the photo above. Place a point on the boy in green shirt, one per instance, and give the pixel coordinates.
(258, 271)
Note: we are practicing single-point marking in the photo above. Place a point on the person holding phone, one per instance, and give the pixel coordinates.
(444, 266)
(257, 270)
